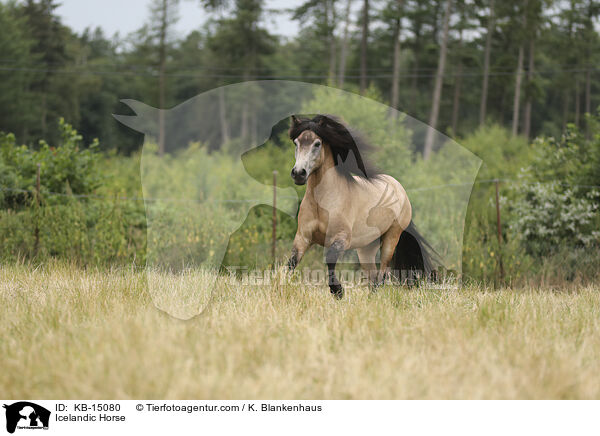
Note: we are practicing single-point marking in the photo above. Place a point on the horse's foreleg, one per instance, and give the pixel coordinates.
(300, 246)
(333, 254)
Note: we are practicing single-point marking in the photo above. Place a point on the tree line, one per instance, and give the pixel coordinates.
(530, 65)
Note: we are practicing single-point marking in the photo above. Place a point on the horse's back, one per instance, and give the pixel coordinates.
(402, 207)
(379, 203)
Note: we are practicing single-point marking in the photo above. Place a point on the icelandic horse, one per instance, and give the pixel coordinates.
(349, 206)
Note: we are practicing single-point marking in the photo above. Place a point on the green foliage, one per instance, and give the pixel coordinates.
(52, 95)
(72, 220)
(240, 42)
(89, 233)
(542, 220)
(90, 207)
(50, 71)
(16, 103)
(551, 215)
(558, 205)
(548, 206)
(503, 157)
(67, 169)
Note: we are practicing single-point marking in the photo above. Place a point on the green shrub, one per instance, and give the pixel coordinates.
(558, 202)
(98, 231)
(73, 220)
(503, 157)
(67, 168)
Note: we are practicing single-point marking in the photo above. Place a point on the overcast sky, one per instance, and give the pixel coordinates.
(125, 16)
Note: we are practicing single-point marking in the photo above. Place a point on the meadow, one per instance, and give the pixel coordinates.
(507, 191)
(71, 332)
(79, 321)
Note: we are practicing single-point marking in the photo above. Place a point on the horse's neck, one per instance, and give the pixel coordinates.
(324, 180)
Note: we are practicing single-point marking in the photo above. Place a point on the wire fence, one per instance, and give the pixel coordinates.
(38, 194)
(259, 200)
(18, 63)
(385, 74)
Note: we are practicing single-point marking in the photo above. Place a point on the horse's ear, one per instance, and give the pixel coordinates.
(295, 120)
(145, 120)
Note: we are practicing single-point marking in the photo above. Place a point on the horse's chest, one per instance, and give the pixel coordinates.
(319, 237)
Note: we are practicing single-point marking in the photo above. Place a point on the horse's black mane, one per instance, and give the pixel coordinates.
(348, 146)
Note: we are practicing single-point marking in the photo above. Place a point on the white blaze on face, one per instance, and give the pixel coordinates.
(308, 152)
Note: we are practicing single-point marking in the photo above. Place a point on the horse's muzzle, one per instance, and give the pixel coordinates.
(299, 176)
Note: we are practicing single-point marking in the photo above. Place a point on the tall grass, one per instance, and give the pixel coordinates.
(77, 333)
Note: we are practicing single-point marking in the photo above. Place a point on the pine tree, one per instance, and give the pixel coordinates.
(439, 78)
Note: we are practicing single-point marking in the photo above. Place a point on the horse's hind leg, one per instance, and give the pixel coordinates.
(389, 241)
(367, 256)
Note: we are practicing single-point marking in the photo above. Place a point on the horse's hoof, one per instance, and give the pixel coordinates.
(337, 291)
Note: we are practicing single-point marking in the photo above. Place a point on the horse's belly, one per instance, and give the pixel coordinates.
(363, 235)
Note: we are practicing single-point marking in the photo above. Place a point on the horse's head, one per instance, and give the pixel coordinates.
(309, 153)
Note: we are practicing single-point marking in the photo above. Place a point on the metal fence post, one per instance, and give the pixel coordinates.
(274, 235)
(36, 230)
(499, 228)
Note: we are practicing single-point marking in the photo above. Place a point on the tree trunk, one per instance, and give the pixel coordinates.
(363, 48)
(502, 110)
(436, 13)
(161, 78)
(439, 79)
(528, 103)
(486, 65)
(577, 102)
(345, 43)
(332, 49)
(254, 124)
(415, 76)
(517, 95)
(567, 90)
(43, 120)
(565, 109)
(414, 87)
(588, 100)
(456, 100)
(588, 76)
(223, 117)
(244, 126)
(458, 76)
(519, 79)
(588, 91)
(396, 70)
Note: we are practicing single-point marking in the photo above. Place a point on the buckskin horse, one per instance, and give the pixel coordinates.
(348, 205)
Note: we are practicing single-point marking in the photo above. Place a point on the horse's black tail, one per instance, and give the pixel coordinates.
(414, 257)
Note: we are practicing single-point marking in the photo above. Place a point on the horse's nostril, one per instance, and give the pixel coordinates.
(298, 173)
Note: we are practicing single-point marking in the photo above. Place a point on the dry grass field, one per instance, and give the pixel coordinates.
(72, 333)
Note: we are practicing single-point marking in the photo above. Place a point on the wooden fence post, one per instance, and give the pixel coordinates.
(274, 235)
(499, 228)
(36, 230)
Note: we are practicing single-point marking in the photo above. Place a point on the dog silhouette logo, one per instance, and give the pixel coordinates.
(26, 415)
(207, 163)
